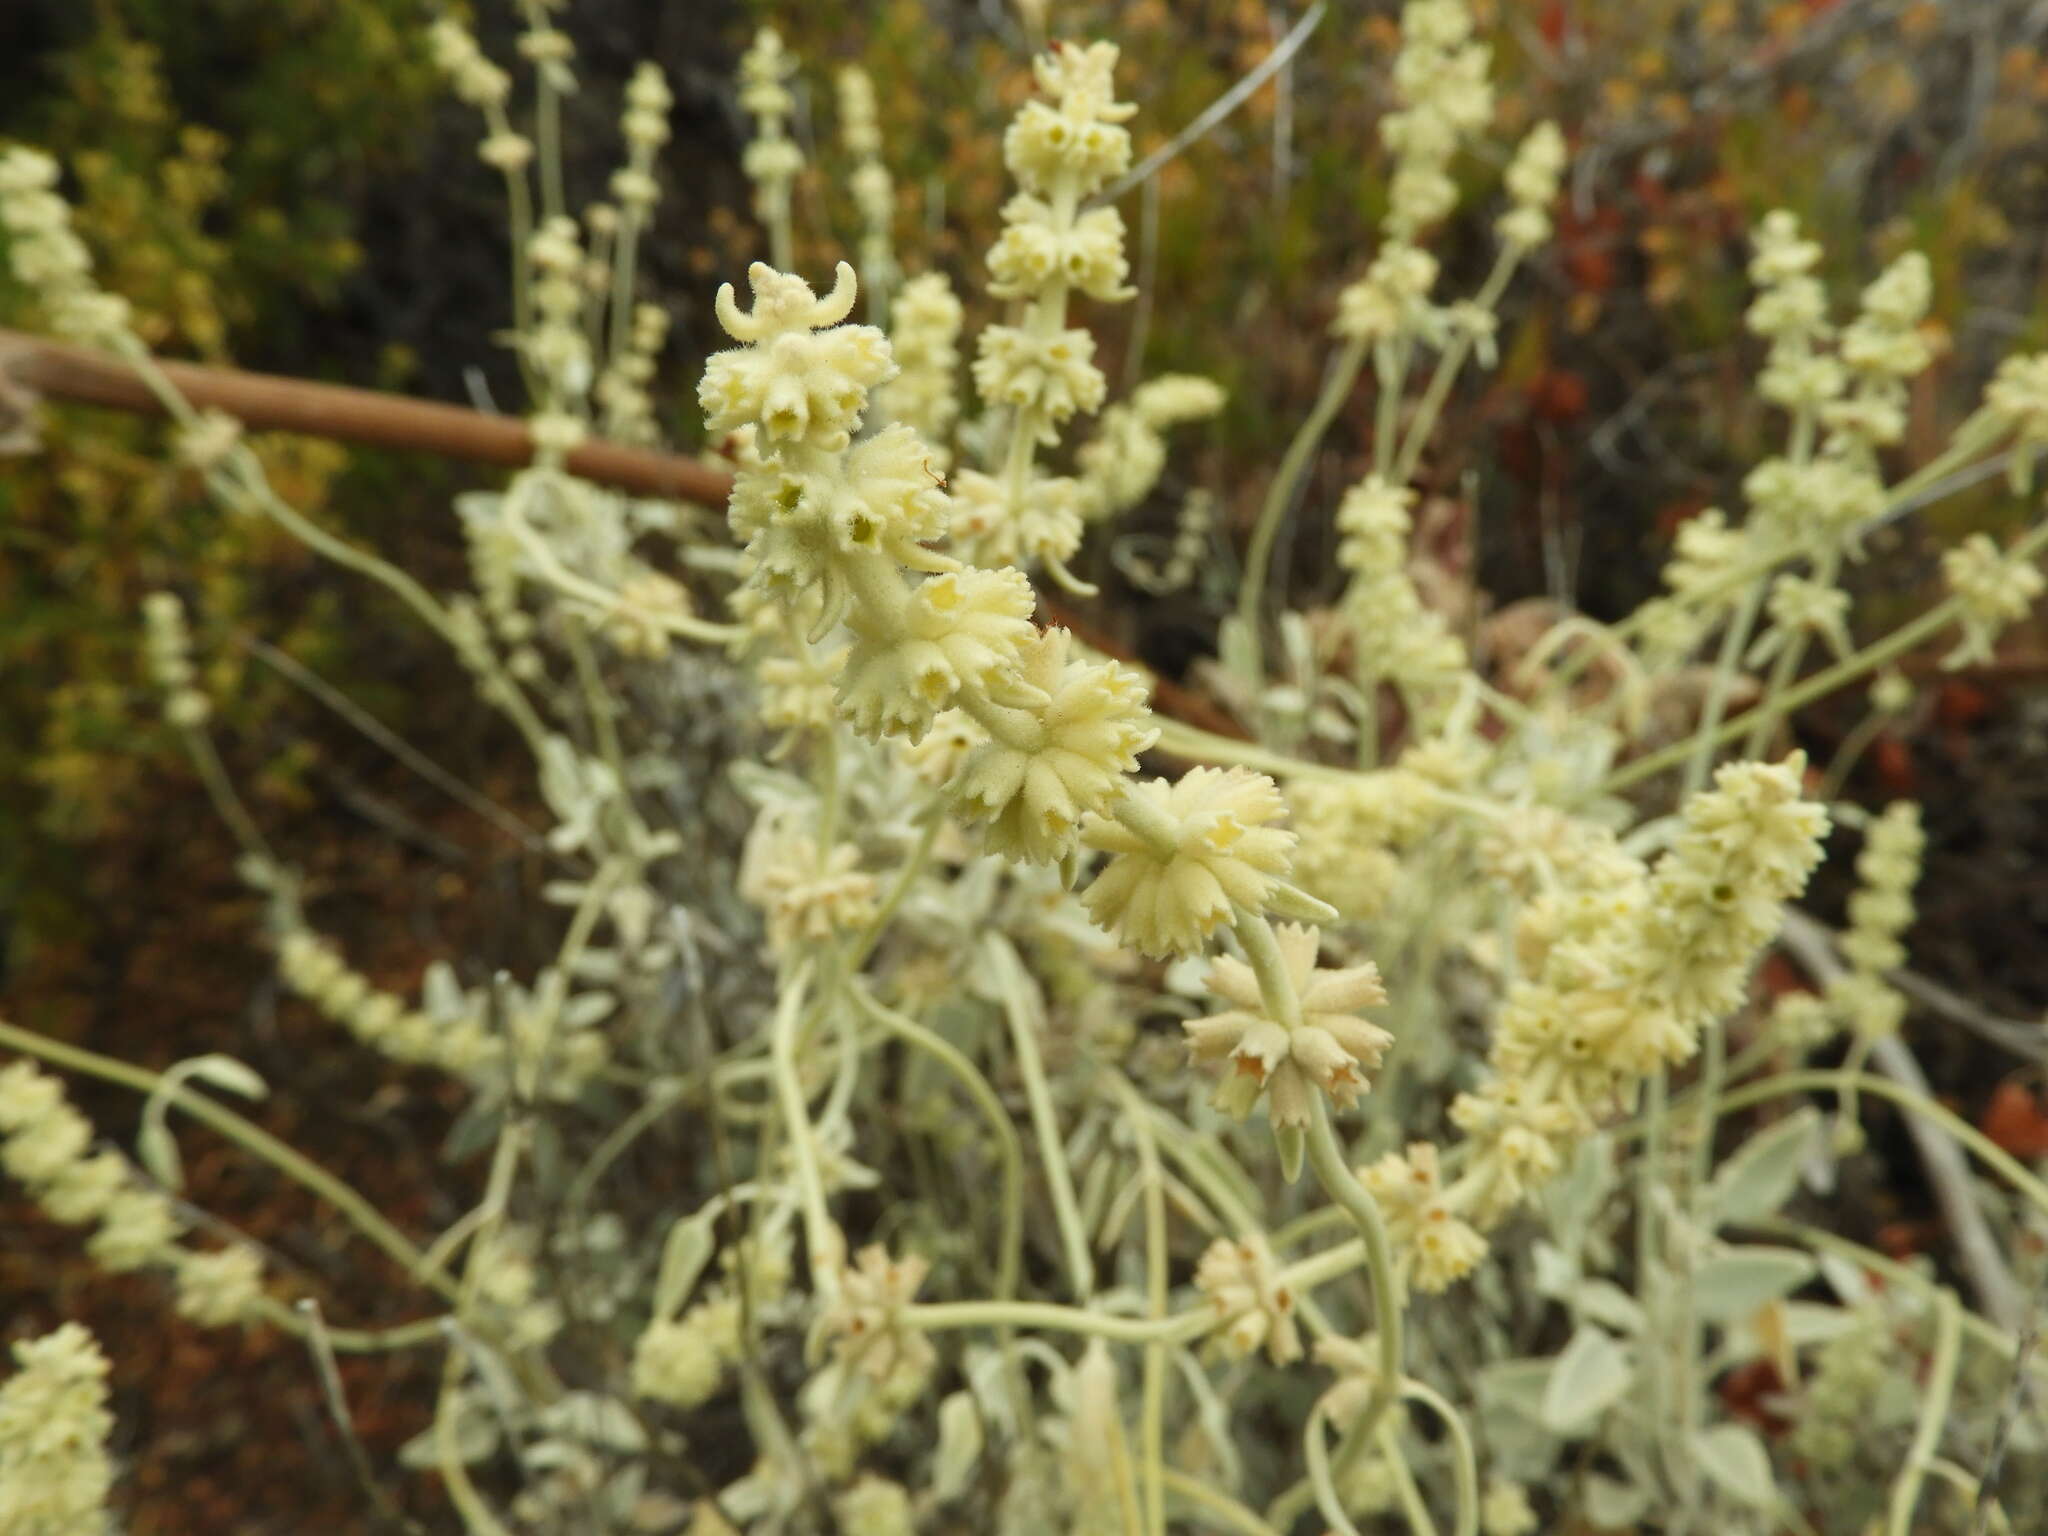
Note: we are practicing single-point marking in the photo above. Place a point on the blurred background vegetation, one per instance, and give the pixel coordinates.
(280, 183)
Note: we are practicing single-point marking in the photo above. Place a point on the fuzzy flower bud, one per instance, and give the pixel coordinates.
(1439, 1247)
(802, 378)
(1241, 1281)
(1206, 845)
(862, 1322)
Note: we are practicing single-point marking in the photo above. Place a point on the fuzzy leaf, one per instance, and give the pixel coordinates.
(157, 1150)
(1760, 1178)
(1615, 1505)
(228, 1074)
(1574, 1199)
(1735, 1460)
(684, 1254)
(1608, 1304)
(1590, 1376)
(591, 1419)
(960, 1442)
(1736, 1281)
(1516, 1386)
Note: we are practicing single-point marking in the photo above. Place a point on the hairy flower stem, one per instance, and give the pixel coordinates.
(1258, 557)
(1021, 1014)
(1786, 666)
(1326, 1157)
(1734, 641)
(1870, 659)
(1010, 1245)
(823, 1245)
(1152, 1435)
(220, 789)
(1939, 1391)
(1448, 366)
(364, 1216)
(469, 1503)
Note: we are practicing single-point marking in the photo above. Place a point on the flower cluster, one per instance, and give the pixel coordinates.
(864, 1324)
(1880, 912)
(873, 193)
(1439, 1246)
(1041, 370)
(167, 648)
(1320, 1046)
(1183, 854)
(55, 1473)
(924, 335)
(1447, 100)
(2017, 402)
(683, 1361)
(1123, 461)
(46, 255)
(1398, 637)
(1066, 761)
(1532, 181)
(1241, 1281)
(1993, 591)
(772, 159)
(483, 85)
(808, 894)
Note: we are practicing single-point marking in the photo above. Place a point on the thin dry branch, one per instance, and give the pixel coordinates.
(37, 366)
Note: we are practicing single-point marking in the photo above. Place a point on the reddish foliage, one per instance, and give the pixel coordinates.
(2015, 1120)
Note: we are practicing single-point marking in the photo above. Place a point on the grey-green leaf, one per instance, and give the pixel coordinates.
(1736, 1281)
(687, 1250)
(228, 1074)
(1588, 1379)
(1735, 1460)
(1754, 1183)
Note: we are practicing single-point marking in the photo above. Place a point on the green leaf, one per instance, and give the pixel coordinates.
(1760, 1178)
(1291, 1141)
(228, 1074)
(1575, 1198)
(1615, 1505)
(1516, 1386)
(1735, 1282)
(157, 1150)
(685, 1252)
(1609, 1305)
(1735, 1460)
(960, 1442)
(1589, 1378)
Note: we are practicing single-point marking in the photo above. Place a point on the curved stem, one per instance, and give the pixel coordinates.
(1341, 1184)
(361, 1214)
(1464, 1461)
(1228, 1511)
(1869, 659)
(1019, 1012)
(821, 1239)
(1316, 1451)
(1940, 1389)
(1986, 1150)
(1258, 559)
(1152, 1437)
